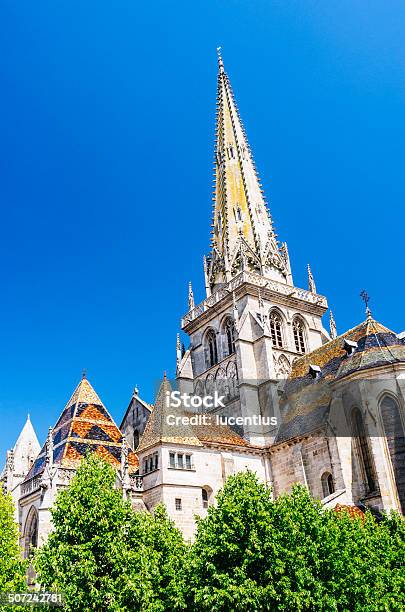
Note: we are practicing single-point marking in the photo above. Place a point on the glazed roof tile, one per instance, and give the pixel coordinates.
(84, 426)
(305, 403)
(158, 430)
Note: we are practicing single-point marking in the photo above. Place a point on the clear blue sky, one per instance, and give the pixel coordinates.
(106, 144)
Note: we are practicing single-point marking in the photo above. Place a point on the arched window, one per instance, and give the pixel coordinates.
(212, 348)
(136, 439)
(327, 484)
(298, 330)
(31, 531)
(276, 330)
(199, 388)
(232, 376)
(230, 335)
(205, 496)
(395, 437)
(283, 367)
(363, 449)
(209, 385)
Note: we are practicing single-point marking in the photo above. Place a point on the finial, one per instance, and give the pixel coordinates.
(164, 375)
(49, 448)
(28, 417)
(178, 349)
(136, 391)
(207, 282)
(220, 61)
(366, 299)
(84, 374)
(332, 326)
(191, 303)
(311, 282)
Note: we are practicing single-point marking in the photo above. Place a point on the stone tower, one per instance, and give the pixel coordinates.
(253, 322)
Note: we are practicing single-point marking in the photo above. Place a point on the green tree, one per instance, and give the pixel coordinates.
(12, 566)
(104, 556)
(252, 553)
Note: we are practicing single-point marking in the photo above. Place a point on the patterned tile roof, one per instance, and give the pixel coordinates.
(305, 405)
(84, 426)
(158, 429)
(352, 511)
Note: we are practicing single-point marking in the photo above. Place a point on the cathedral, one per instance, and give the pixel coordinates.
(299, 403)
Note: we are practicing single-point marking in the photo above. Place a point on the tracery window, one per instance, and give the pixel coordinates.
(232, 376)
(395, 438)
(31, 531)
(212, 348)
(276, 330)
(363, 448)
(230, 335)
(298, 331)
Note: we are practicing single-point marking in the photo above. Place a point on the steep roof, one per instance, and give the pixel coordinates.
(26, 448)
(24, 451)
(305, 404)
(84, 426)
(27, 436)
(243, 233)
(160, 430)
(136, 403)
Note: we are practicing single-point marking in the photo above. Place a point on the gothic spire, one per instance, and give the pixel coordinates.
(311, 282)
(242, 233)
(332, 326)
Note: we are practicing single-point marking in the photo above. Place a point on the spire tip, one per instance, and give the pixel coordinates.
(220, 61)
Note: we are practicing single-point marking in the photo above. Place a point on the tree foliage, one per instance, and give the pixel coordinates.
(12, 566)
(104, 556)
(252, 553)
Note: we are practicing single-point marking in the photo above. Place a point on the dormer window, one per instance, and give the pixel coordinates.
(315, 371)
(350, 346)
